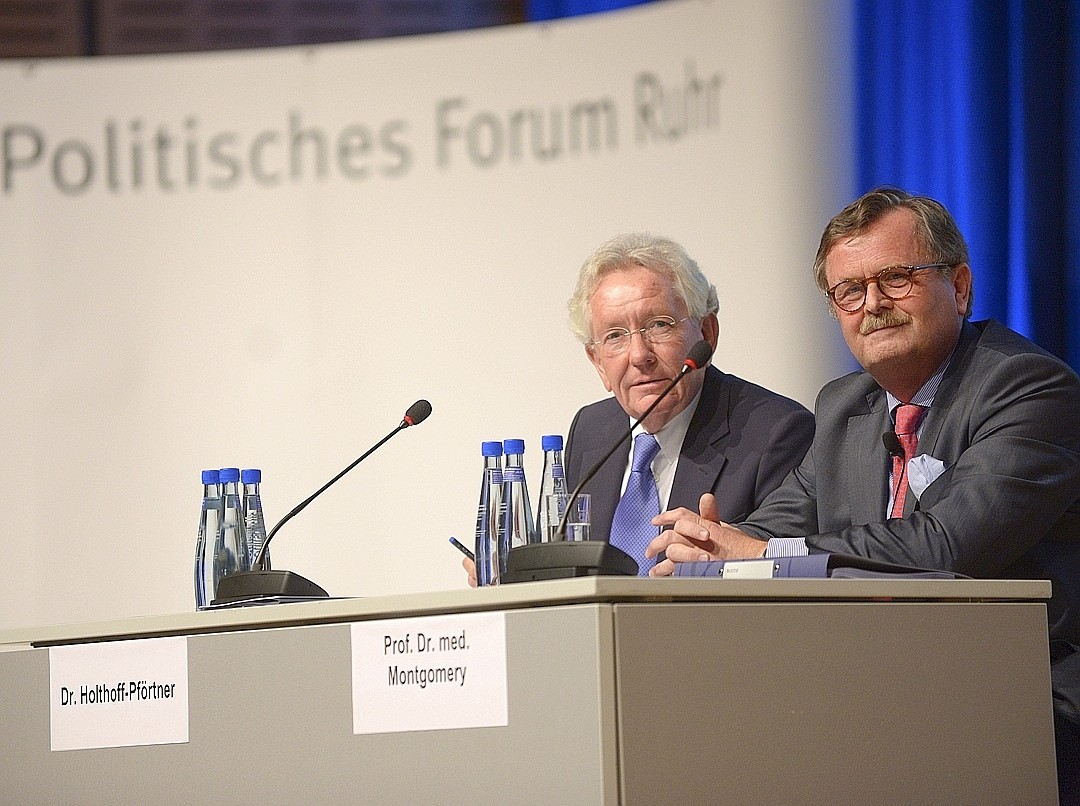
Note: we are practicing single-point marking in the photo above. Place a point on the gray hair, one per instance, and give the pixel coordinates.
(937, 231)
(633, 250)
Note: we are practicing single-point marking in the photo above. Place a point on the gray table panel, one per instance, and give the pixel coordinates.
(620, 691)
(835, 703)
(271, 722)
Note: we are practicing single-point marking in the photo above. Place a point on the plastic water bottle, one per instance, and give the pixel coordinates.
(517, 516)
(552, 483)
(489, 559)
(254, 521)
(230, 550)
(209, 520)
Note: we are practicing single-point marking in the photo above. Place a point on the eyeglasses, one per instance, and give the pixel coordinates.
(893, 282)
(657, 330)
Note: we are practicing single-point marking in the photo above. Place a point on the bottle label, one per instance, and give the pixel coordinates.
(512, 474)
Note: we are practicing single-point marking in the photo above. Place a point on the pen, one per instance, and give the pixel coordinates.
(462, 548)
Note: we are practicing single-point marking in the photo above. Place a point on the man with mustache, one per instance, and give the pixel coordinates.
(978, 471)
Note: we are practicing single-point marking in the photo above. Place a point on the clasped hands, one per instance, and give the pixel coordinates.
(698, 537)
(693, 537)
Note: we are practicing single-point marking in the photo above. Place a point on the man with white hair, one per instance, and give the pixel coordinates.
(639, 306)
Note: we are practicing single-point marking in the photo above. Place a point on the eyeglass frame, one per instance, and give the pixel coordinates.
(629, 333)
(876, 279)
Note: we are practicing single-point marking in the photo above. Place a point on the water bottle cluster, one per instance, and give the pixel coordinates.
(504, 516)
(232, 529)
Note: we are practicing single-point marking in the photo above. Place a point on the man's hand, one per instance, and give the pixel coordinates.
(470, 569)
(698, 538)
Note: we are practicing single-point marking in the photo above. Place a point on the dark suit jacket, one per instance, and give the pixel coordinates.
(742, 441)
(1006, 424)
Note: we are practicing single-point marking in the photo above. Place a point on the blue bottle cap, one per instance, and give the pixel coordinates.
(251, 475)
(551, 442)
(514, 446)
(228, 474)
(491, 448)
(210, 477)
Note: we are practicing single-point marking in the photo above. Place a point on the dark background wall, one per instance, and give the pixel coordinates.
(45, 28)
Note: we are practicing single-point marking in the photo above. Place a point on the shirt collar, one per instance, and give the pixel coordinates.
(925, 396)
(673, 433)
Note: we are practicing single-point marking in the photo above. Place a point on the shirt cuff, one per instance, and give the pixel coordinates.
(786, 547)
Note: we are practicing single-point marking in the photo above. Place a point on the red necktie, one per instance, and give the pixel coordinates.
(907, 426)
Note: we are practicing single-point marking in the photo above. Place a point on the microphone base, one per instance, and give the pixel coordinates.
(245, 585)
(560, 560)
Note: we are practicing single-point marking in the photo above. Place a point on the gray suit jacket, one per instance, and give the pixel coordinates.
(1006, 424)
(742, 441)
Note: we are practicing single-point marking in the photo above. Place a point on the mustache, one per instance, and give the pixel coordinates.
(887, 318)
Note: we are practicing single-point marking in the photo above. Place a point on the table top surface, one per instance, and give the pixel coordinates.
(580, 590)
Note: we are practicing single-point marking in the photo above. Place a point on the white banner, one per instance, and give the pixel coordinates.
(262, 258)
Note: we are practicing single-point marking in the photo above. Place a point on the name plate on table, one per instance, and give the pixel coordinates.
(118, 694)
(429, 673)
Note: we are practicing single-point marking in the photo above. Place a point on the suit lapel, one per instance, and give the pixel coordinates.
(610, 475)
(700, 462)
(867, 460)
(939, 410)
(946, 393)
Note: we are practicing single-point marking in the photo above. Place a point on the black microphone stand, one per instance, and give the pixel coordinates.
(561, 558)
(260, 583)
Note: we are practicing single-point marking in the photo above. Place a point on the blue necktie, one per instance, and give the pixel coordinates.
(631, 528)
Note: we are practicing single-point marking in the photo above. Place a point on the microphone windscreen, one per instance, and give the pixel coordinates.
(892, 443)
(418, 412)
(699, 355)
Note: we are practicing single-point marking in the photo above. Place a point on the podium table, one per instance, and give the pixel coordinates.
(619, 691)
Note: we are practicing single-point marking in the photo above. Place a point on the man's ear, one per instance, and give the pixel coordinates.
(961, 283)
(710, 330)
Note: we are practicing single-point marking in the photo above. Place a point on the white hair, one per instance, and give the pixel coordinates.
(660, 255)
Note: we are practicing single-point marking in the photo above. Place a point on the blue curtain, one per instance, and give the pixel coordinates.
(552, 9)
(975, 102)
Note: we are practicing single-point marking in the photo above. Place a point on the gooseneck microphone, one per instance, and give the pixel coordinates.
(698, 357)
(417, 413)
(560, 558)
(258, 583)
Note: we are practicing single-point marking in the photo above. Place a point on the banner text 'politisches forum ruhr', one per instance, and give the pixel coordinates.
(137, 155)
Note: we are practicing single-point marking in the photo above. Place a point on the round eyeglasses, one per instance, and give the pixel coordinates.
(616, 340)
(894, 282)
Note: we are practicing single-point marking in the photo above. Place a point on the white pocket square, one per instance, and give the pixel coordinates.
(923, 470)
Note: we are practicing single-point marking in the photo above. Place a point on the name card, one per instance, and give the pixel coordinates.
(431, 673)
(748, 569)
(118, 694)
